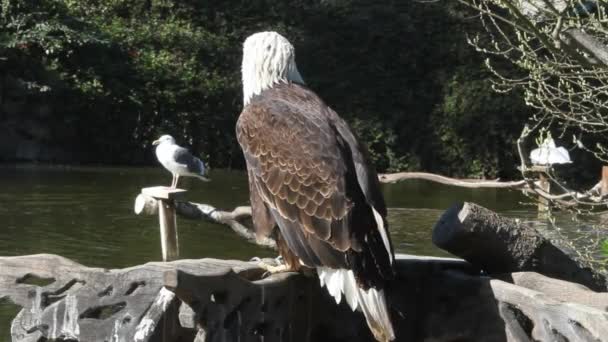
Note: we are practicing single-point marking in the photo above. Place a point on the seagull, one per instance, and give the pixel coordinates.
(548, 153)
(178, 160)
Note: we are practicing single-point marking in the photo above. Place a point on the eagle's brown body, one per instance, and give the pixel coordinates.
(310, 178)
(311, 183)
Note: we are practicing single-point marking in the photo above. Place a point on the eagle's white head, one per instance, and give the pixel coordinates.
(268, 58)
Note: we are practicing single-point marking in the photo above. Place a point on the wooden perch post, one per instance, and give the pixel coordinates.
(165, 199)
(604, 181)
(544, 205)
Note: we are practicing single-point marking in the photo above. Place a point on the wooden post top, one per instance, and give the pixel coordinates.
(164, 192)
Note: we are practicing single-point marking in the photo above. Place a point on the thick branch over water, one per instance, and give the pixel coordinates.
(464, 183)
(198, 211)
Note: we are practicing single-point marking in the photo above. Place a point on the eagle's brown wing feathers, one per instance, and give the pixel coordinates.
(300, 169)
(262, 217)
(295, 169)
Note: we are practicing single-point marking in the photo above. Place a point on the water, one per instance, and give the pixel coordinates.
(86, 214)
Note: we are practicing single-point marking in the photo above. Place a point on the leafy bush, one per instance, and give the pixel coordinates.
(476, 130)
(117, 73)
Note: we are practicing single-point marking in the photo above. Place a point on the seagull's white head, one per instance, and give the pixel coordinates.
(268, 58)
(164, 139)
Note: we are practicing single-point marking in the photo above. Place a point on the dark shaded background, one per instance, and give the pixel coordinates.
(97, 81)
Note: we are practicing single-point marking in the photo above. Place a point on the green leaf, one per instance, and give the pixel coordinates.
(605, 247)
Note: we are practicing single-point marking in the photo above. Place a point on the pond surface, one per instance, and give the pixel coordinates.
(86, 214)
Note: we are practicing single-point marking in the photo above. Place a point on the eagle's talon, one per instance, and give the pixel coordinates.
(270, 270)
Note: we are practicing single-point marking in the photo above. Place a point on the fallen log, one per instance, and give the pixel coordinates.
(497, 245)
(432, 299)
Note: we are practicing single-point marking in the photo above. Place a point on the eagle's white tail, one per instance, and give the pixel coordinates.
(371, 302)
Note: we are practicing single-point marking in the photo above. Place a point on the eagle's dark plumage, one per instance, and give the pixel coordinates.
(311, 179)
(309, 174)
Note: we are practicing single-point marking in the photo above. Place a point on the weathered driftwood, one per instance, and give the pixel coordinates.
(502, 245)
(432, 299)
(93, 304)
(560, 290)
(464, 183)
(164, 198)
(196, 211)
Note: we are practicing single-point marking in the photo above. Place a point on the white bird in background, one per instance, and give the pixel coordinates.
(548, 153)
(178, 160)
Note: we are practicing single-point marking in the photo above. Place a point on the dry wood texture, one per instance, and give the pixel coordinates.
(465, 183)
(65, 301)
(165, 205)
(432, 299)
(497, 244)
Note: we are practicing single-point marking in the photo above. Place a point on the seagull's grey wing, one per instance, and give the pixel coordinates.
(184, 157)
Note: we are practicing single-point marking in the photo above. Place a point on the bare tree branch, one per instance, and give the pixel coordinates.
(464, 183)
(198, 211)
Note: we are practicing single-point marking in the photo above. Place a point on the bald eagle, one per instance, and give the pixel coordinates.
(310, 177)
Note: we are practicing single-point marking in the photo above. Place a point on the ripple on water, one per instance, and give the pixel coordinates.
(411, 230)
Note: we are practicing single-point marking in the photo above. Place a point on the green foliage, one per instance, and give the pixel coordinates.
(118, 73)
(382, 144)
(44, 27)
(129, 76)
(605, 247)
(475, 129)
